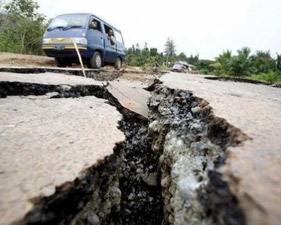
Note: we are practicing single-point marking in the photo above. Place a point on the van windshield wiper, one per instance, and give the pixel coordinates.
(53, 28)
(70, 27)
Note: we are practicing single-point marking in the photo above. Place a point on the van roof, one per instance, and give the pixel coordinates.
(91, 14)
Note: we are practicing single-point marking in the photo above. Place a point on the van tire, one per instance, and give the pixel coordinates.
(60, 62)
(96, 61)
(118, 64)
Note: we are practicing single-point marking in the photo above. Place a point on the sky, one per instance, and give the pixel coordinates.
(203, 27)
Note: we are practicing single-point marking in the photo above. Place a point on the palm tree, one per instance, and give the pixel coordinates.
(241, 65)
(222, 62)
(263, 62)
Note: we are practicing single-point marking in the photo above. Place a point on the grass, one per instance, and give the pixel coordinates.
(270, 77)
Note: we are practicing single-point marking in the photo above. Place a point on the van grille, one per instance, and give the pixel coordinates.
(60, 40)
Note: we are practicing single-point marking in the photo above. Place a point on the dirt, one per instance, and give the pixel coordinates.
(13, 59)
(22, 60)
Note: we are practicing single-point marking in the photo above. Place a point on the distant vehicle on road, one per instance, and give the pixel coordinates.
(182, 67)
(90, 34)
(177, 67)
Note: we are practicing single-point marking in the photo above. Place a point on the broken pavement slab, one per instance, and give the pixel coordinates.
(253, 168)
(46, 142)
(130, 96)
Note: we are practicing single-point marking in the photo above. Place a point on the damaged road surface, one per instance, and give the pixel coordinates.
(71, 153)
(191, 150)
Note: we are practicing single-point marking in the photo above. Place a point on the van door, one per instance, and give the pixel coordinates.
(95, 36)
(110, 53)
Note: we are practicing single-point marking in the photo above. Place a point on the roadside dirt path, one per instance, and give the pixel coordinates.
(12, 59)
(21, 60)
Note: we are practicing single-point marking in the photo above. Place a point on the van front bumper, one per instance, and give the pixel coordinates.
(65, 50)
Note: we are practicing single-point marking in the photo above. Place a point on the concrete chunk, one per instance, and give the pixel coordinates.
(47, 142)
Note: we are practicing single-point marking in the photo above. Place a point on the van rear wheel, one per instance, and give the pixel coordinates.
(96, 61)
(118, 64)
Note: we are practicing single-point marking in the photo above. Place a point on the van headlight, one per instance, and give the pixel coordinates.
(46, 40)
(81, 41)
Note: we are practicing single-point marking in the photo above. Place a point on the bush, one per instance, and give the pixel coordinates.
(204, 71)
(270, 77)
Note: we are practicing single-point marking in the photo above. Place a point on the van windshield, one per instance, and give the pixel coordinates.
(68, 21)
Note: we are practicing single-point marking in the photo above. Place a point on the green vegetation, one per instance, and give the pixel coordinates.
(150, 59)
(22, 29)
(258, 66)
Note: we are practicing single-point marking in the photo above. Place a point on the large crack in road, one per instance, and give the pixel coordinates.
(165, 172)
(191, 143)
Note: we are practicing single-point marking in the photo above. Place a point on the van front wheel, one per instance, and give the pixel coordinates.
(96, 61)
(118, 64)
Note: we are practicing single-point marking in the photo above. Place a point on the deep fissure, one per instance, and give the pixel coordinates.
(191, 143)
(166, 172)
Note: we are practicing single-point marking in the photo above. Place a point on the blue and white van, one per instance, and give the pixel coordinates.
(75, 29)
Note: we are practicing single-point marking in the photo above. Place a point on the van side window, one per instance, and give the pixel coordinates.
(118, 36)
(107, 28)
(95, 24)
(110, 34)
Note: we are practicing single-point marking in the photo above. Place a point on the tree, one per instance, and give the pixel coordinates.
(170, 49)
(182, 57)
(145, 55)
(193, 59)
(278, 62)
(203, 64)
(222, 62)
(241, 65)
(153, 51)
(25, 27)
(263, 62)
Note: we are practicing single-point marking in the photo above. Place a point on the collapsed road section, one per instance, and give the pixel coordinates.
(163, 167)
(191, 144)
(61, 163)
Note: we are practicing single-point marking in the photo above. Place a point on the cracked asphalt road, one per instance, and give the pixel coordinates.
(252, 169)
(38, 144)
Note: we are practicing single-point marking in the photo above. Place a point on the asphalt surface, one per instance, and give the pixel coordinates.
(46, 142)
(252, 169)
